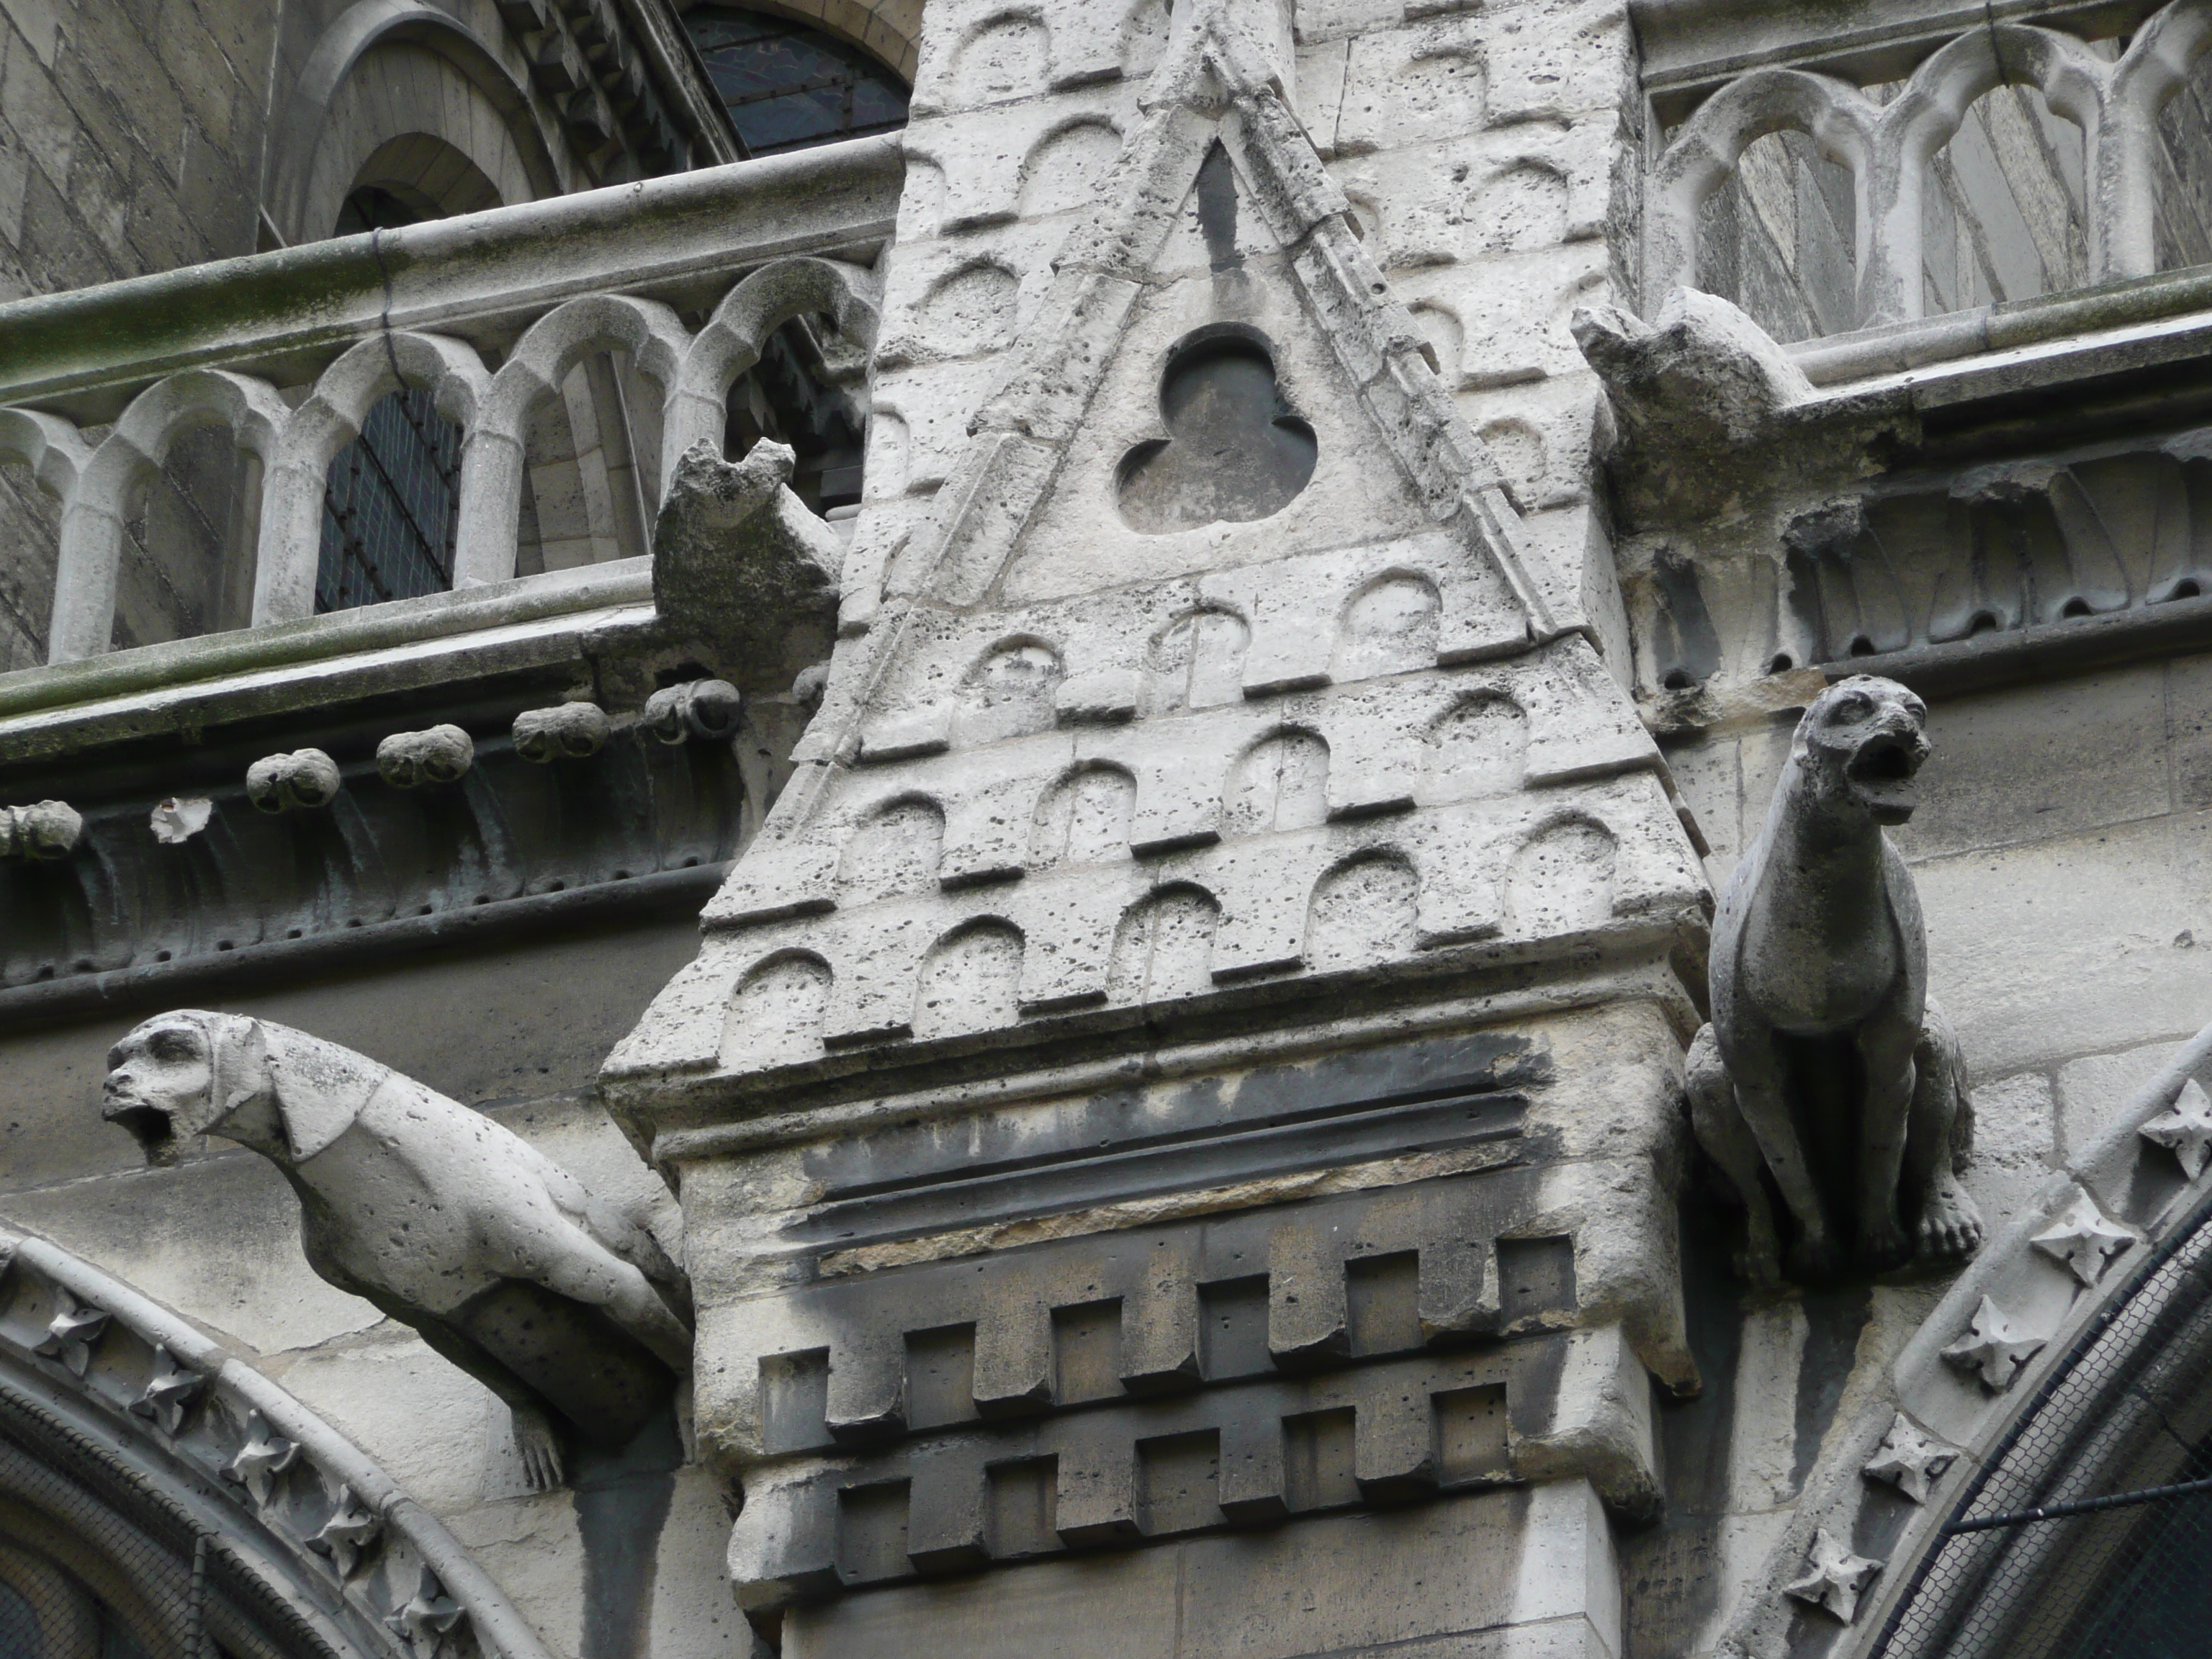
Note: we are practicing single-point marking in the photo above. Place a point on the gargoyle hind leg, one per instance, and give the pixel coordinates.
(1950, 1225)
(1727, 1141)
(1757, 1068)
(535, 1437)
(577, 1265)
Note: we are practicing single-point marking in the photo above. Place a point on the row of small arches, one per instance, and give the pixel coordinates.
(1280, 782)
(1196, 660)
(1364, 911)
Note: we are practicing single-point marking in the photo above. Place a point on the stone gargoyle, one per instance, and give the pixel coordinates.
(502, 1262)
(1827, 1070)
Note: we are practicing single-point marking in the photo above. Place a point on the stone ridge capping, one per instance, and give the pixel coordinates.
(1561, 1407)
(340, 1539)
(2115, 104)
(2123, 1220)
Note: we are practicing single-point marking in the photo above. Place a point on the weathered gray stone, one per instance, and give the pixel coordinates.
(736, 557)
(505, 1246)
(408, 760)
(1819, 941)
(300, 782)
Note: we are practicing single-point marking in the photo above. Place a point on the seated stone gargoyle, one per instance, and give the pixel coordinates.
(503, 1261)
(1827, 1071)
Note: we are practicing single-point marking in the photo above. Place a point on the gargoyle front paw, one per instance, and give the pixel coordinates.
(1950, 1222)
(540, 1443)
(1882, 1244)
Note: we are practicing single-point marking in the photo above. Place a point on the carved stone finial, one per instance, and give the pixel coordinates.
(1909, 1460)
(168, 1392)
(299, 782)
(71, 1332)
(408, 760)
(553, 1299)
(1819, 970)
(1834, 1577)
(2083, 1240)
(43, 831)
(705, 709)
(736, 557)
(427, 1618)
(1991, 1349)
(351, 1528)
(265, 1455)
(568, 731)
(2187, 1131)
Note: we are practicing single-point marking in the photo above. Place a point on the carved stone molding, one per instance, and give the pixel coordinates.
(163, 1409)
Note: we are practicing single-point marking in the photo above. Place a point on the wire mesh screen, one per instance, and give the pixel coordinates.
(108, 1569)
(2088, 1533)
(390, 507)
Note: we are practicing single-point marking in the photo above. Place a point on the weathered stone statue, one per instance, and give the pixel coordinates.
(1826, 1069)
(503, 1261)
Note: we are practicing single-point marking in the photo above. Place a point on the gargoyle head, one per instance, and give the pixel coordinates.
(1861, 744)
(181, 1074)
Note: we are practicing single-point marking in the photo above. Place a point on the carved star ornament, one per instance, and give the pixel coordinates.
(1910, 1460)
(1833, 1578)
(1991, 1349)
(2187, 1131)
(2082, 1241)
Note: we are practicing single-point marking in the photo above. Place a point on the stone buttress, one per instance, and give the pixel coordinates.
(1177, 1113)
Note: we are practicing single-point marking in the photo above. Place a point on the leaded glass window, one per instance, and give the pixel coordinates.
(392, 499)
(787, 86)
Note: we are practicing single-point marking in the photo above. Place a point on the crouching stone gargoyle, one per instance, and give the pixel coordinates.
(1827, 1071)
(502, 1261)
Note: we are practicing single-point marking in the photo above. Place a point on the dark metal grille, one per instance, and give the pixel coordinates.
(390, 507)
(2088, 1533)
(787, 86)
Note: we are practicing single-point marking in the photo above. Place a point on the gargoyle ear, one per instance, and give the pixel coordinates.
(238, 1062)
(319, 1089)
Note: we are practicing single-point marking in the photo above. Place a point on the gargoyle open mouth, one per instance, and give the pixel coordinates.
(1881, 775)
(149, 1126)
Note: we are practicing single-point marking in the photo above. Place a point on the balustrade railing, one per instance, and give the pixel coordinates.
(2114, 92)
(488, 313)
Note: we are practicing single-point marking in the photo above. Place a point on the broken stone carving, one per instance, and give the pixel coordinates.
(568, 731)
(736, 557)
(505, 1263)
(1826, 1069)
(408, 760)
(46, 830)
(180, 818)
(299, 782)
(705, 709)
(1705, 374)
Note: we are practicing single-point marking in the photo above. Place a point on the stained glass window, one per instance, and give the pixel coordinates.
(787, 86)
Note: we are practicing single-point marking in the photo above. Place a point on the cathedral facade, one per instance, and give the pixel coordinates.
(1226, 830)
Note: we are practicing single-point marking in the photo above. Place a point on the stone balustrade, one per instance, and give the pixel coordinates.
(2114, 96)
(488, 312)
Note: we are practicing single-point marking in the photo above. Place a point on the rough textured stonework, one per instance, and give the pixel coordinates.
(1193, 1048)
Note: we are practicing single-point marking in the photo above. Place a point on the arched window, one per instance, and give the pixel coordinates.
(392, 496)
(787, 86)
